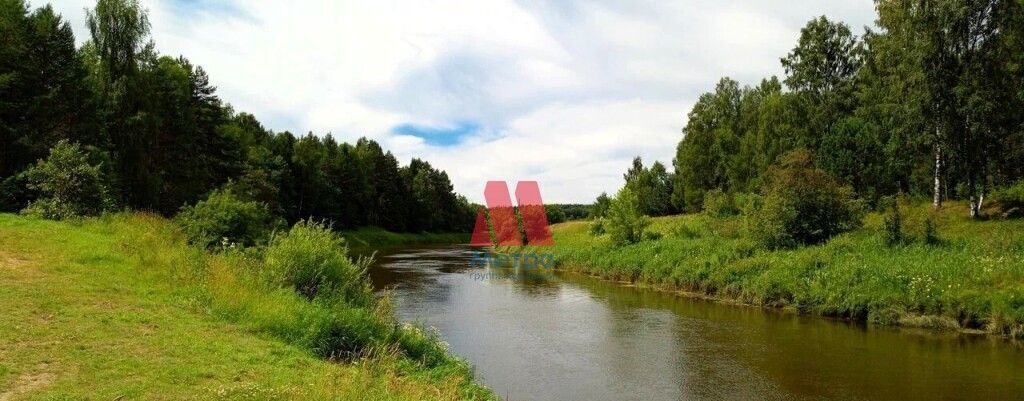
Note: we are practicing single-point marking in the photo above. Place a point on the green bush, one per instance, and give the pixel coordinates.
(931, 232)
(597, 227)
(720, 204)
(224, 219)
(1010, 197)
(343, 333)
(601, 205)
(894, 225)
(69, 186)
(803, 205)
(626, 224)
(684, 231)
(770, 224)
(747, 204)
(422, 344)
(313, 260)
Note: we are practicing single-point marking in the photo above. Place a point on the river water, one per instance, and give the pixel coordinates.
(566, 337)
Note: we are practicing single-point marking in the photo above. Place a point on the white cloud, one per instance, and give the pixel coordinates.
(575, 151)
(565, 92)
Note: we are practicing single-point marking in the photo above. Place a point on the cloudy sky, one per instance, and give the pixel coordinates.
(562, 92)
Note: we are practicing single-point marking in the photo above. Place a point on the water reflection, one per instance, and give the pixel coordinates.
(556, 337)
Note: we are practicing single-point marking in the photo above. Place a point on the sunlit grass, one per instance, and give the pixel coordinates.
(974, 279)
(121, 308)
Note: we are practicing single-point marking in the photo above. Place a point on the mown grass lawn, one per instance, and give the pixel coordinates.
(79, 319)
(973, 279)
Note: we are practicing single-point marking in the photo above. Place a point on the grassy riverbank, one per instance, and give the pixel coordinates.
(121, 308)
(375, 238)
(973, 279)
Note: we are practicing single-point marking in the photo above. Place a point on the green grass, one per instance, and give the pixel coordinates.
(973, 280)
(375, 238)
(120, 308)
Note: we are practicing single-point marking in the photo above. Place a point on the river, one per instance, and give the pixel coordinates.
(565, 337)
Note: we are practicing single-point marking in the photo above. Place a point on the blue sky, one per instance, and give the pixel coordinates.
(438, 136)
(562, 92)
(191, 7)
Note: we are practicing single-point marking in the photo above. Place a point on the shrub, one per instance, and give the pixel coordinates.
(684, 231)
(313, 260)
(770, 225)
(554, 213)
(1010, 197)
(931, 232)
(223, 217)
(720, 204)
(626, 224)
(894, 225)
(747, 203)
(343, 333)
(601, 205)
(803, 205)
(597, 227)
(69, 186)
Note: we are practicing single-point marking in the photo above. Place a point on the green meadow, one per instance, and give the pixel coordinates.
(119, 307)
(971, 280)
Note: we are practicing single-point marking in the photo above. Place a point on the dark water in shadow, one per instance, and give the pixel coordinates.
(565, 337)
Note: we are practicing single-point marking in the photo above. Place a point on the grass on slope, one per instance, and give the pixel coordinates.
(375, 238)
(113, 309)
(974, 279)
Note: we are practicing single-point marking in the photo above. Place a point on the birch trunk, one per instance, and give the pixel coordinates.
(977, 201)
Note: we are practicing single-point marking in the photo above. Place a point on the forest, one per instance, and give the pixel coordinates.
(138, 130)
(258, 246)
(925, 105)
(880, 180)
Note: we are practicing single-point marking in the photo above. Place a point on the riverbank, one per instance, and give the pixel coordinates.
(973, 280)
(369, 239)
(120, 308)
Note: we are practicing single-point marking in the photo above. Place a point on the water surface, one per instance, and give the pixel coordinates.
(566, 337)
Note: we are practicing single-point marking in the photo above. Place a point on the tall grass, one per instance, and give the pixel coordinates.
(953, 272)
(303, 289)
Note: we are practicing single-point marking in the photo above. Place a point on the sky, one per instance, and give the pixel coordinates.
(565, 93)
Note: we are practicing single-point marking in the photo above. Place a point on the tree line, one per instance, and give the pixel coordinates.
(161, 137)
(928, 104)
